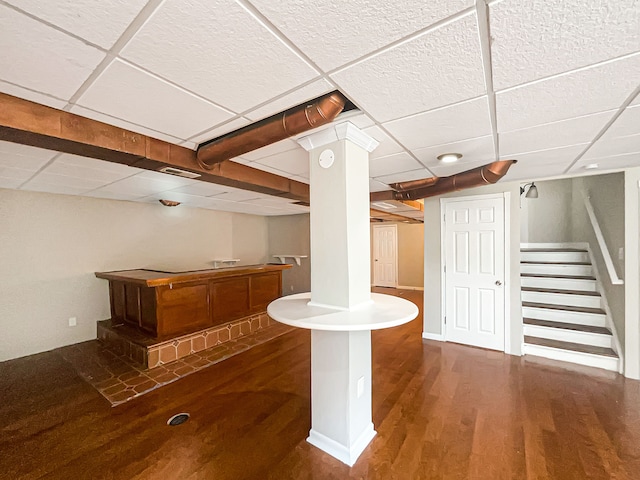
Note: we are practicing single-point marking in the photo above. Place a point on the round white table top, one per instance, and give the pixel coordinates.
(384, 311)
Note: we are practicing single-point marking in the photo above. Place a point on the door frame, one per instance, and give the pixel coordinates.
(395, 260)
(506, 197)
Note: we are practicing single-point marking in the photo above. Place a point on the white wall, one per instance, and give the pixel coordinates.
(433, 264)
(549, 215)
(632, 273)
(51, 245)
(410, 253)
(290, 234)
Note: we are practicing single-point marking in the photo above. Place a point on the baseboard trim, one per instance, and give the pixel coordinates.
(405, 287)
(345, 454)
(433, 336)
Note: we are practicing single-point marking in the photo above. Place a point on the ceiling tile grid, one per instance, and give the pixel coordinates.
(47, 60)
(222, 53)
(435, 69)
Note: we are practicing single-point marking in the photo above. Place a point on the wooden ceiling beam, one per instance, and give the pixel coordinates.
(29, 123)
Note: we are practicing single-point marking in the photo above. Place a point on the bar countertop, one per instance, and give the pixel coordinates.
(156, 278)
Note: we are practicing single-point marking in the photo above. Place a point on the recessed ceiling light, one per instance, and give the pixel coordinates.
(449, 157)
(591, 166)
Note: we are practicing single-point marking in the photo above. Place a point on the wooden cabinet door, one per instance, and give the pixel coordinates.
(230, 299)
(183, 308)
(265, 288)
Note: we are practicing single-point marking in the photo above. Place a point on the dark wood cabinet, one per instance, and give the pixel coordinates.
(163, 304)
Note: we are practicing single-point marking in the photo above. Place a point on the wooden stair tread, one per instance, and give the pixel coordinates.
(560, 291)
(554, 250)
(575, 347)
(570, 277)
(564, 308)
(567, 326)
(530, 262)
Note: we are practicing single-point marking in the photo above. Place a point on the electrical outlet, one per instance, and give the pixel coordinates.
(621, 253)
(73, 321)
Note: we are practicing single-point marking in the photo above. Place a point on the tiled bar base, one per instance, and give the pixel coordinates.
(119, 379)
(151, 352)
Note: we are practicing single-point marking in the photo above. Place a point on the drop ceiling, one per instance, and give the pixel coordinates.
(553, 84)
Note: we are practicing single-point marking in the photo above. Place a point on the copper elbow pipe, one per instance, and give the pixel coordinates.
(413, 184)
(476, 177)
(293, 121)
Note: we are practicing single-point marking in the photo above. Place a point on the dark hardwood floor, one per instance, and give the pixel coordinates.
(441, 410)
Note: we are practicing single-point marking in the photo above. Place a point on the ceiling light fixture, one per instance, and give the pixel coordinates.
(449, 157)
(169, 203)
(591, 166)
(533, 190)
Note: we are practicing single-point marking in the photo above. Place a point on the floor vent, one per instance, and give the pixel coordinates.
(178, 419)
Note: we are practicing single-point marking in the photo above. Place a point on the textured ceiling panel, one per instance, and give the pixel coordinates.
(31, 95)
(342, 26)
(433, 70)
(546, 163)
(97, 21)
(221, 130)
(610, 146)
(128, 93)
(405, 176)
(474, 150)
(293, 162)
(47, 60)
(400, 162)
(613, 162)
(532, 39)
(448, 169)
(279, 147)
(628, 123)
(297, 97)
(387, 145)
(223, 53)
(82, 167)
(580, 93)
(446, 125)
(21, 156)
(553, 135)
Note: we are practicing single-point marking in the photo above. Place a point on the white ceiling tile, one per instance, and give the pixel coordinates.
(237, 195)
(84, 183)
(274, 148)
(127, 92)
(97, 21)
(360, 120)
(297, 97)
(351, 29)
(24, 157)
(387, 146)
(446, 125)
(218, 131)
(628, 123)
(185, 199)
(15, 173)
(405, 176)
(267, 168)
(535, 39)
(475, 150)
(241, 161)
(203, 189)
(636, 101)
(294, 162)
(400, 162)
(82, 167)
(606, 147)
(42, 58)
(174, 180)
(100, 193)
(300, 178)
(9, 182)
(552, 135)
(376, 186)
(435, 69)
(140, 186)
(542, 164)
(32, 96)
(223, 53)
(35, 186)
(118, 122)
(579, 93)
(627, 160)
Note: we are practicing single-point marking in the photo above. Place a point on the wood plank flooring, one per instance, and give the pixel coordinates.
(442, 411)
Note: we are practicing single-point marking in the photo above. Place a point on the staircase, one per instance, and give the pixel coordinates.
(562, 308)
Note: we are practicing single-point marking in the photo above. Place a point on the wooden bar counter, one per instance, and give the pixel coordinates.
(164, 304)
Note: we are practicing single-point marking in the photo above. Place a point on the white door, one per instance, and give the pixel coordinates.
(474, 272)
(385, 255)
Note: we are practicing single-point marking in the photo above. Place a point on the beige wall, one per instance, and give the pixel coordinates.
(549, 217)
(632, 273)
(290, 234)
(410, 254)
(433, 264)
(606, 193)
(53, 244)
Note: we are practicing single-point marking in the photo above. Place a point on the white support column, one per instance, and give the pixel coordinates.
(340, 311)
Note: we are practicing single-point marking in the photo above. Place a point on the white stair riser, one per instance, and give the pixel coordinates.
(582, 270)
(593, 319)
(590, 301)
(559, 283)
(608, 363)
(555, 257)
(564, 335)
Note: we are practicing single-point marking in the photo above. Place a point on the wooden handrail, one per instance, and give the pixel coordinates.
(608, 261)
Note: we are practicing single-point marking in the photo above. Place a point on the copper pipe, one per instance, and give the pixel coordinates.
(293, 121)
(476, 177)
(413, 184)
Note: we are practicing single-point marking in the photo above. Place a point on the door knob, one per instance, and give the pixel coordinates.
(498, 282)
